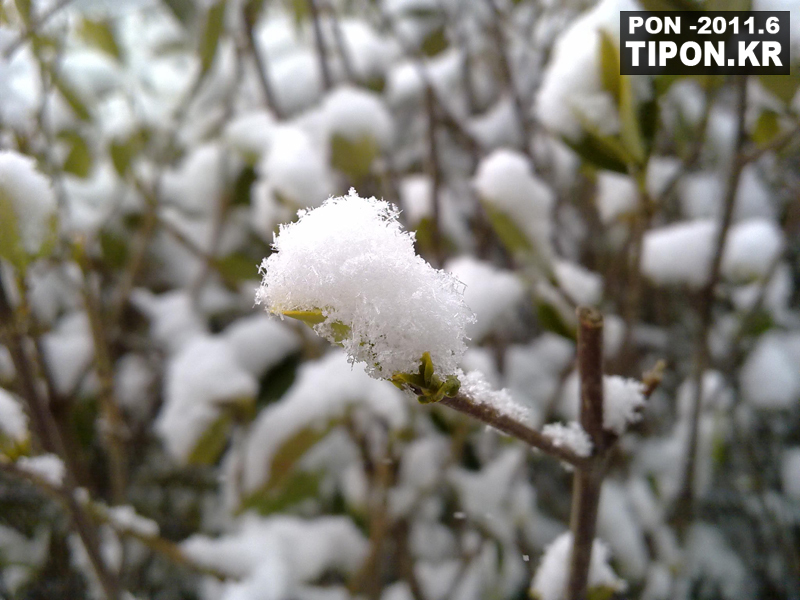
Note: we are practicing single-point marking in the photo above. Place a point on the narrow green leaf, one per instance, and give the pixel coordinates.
(11, 247)
(435, 42)
(72, 98)
(511, 236)
(212, 30)
(100, 35)
(630, 131)
(784, 87)
(609, 65)
(767, 127)
(213, 441)
(79, 158)
(184, 10)
(353, 157)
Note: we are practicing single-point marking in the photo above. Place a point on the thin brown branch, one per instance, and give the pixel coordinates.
(319, 43)
(685, 500)
(505, 424)
(249, 18)
(588, 478)
(50, 437)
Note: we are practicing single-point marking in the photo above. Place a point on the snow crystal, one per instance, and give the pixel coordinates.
(356, 113)
(622, 398)
(504, 180)
(790, 472)
(571, 436)
(491, 293)
(475, 387)
(295, 167)
(201, 379)
(126, 518)
(47, 467)
(324, 391)
(351, 260)
(31, 198)
(550, 581)
(13, 420)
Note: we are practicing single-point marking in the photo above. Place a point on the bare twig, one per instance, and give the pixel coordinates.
(248, 17)
(685, 500)
(50, 437)
(319, 42)
(505, 424)
(588, 478)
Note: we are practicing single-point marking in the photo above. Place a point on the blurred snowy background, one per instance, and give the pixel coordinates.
(223, 454)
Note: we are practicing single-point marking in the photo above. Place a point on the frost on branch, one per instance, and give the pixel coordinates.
(622, 398)
(571, 436)
(349, 270)
(550, 581)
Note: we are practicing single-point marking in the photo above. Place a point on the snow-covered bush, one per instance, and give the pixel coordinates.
(434, 187)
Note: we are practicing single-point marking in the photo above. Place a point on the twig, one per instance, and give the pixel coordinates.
(685, 499)
(319, 43)
(510, 426)
(248, 17)
(48, 432)
(588, 478)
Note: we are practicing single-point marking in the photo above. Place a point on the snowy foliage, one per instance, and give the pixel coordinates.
(351, 260)
(154, 152)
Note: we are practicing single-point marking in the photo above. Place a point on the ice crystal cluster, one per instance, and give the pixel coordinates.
(351, 260)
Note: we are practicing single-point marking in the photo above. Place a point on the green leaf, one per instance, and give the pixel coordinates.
(79, 158)
(602, 152)
(600, 592)
(285, 485)
(11, 247)
(315, 317)
(24, 10)
(237, 267)
(511, 236)
(213, 441)
(767, 127)
(100, 35)
(609, 65)
(296, 488)
(728, 5)
(630, 133)
(212, 30)
(184, 10)
(241, 188)
(300, 11)
(551, 319)
(353, 157)
(784, 87)
(114, 248)
(435, 42)
(71, 97)
(123, 152)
